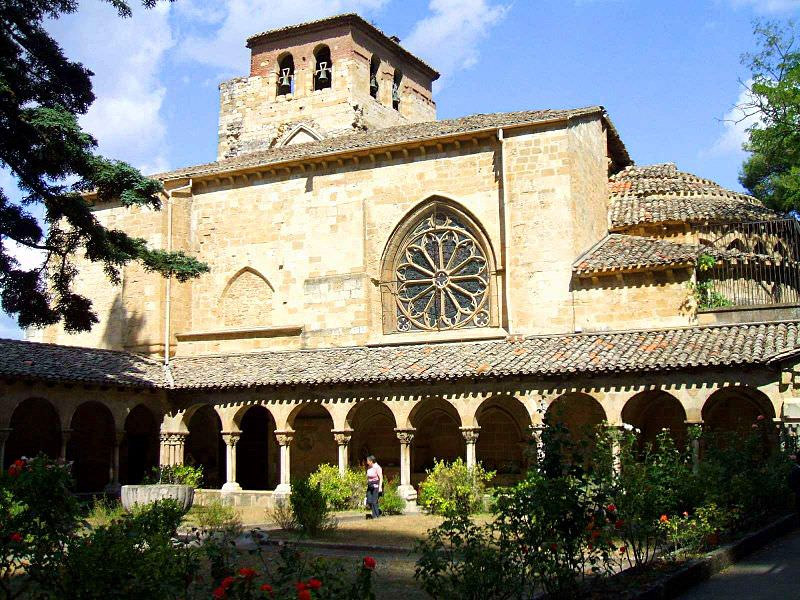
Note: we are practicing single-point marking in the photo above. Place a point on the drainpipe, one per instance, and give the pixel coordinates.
(167, 303)
(504, 232)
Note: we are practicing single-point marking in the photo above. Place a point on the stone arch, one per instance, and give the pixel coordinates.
(578, 412)
(285, 82)
(503, 437)
(300, 134)
(654, 410)
(760, 248)
(313, 442)
(204, 446)
(453, 289)
(35, 428)
(437, 437)
(323, 67)
(257, 449)
(246, 300)
(736, 408)
(91, 446)
(738, 245)
(373, 425)
(138, 452)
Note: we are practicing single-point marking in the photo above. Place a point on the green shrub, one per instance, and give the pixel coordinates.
(391, 502)
(104, 511)
(310, 508)
(454, 487)
(282, 514)
(216, 517)
(176, 475)
(342, 492)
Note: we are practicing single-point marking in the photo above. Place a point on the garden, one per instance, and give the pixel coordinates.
(599, 514)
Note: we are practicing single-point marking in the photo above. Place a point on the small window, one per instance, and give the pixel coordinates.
(374, 84)
(286, 75)
(398, 78)
(323, 68)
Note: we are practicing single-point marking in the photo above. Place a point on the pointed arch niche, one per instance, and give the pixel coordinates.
(246, 301)
(438, 272)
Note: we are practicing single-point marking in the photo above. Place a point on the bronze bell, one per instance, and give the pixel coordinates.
(322, 72)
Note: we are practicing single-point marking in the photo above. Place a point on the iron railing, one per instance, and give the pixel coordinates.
(760, 264)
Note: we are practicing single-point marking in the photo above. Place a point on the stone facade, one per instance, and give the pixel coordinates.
(342, 227)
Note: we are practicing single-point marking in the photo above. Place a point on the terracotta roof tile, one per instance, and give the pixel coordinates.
(662, 194)
(378, 138)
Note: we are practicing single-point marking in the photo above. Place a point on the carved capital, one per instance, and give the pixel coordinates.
(173, 438)
(342, 438)
(470, 434)
(406, 436)
(284, 437)
(231, 438)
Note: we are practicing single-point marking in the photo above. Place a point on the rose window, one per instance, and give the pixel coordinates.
(442, 277)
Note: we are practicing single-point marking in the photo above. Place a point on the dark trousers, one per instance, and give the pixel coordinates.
(373, 497)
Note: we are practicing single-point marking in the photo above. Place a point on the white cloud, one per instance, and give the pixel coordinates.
(223, 46)
(768, 6)
(449, 38)
(126, 56)
(736, 123)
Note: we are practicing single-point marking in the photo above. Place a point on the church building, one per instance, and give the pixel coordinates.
(383, 282)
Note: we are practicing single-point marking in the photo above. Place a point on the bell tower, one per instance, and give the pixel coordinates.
(321, 79)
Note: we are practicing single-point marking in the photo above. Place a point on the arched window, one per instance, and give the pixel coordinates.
(374, 84)
(760, 248)
(440, 271)
(285, 75)
(398, 79)
(737, 245)
(323, 70)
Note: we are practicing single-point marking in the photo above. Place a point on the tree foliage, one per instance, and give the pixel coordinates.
(772, 172)
(42, 94)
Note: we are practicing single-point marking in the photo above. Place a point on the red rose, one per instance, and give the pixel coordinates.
(300, 586)
(266, 588)
(247, 572)
(304, 595)
(619, 524)
(595, 534)
(219, 593)
(19, 463)
(612, 508)
(15, 537)
(685, 514)
(369, 563)
(760, 418)
(227, 582)
(13, 471)
(553, 546)
(622, 549)
(664, 519)
(314, 583)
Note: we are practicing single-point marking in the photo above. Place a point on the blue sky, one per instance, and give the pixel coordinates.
(667, 72)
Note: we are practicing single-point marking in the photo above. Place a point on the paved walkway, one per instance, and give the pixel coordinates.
(773, 572)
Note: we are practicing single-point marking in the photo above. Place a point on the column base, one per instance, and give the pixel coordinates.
(283, 489)
(113, 489)
(407, 492)
(231, 486)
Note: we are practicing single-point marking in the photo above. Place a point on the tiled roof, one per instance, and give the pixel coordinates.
(619, 252)
(53, 362)
(633, 351)
(662, 194)
(390, 136)
(347, 18)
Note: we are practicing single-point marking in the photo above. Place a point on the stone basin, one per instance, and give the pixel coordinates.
(147, 494)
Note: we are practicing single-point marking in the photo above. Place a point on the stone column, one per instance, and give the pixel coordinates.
(173, 444)
(285, 441)
(471, 437)
(615, 449)
(66, 434)
(695, 446)
(113, 472)
(231, 439)
(405, 489)
(4, 434)
(343, 442)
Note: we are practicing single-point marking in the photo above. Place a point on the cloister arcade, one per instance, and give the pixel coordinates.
(244, 442)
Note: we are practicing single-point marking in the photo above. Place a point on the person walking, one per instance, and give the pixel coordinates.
(374, 486)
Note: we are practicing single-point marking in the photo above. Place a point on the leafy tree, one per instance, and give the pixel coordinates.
(53, 160)
(772, 172)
